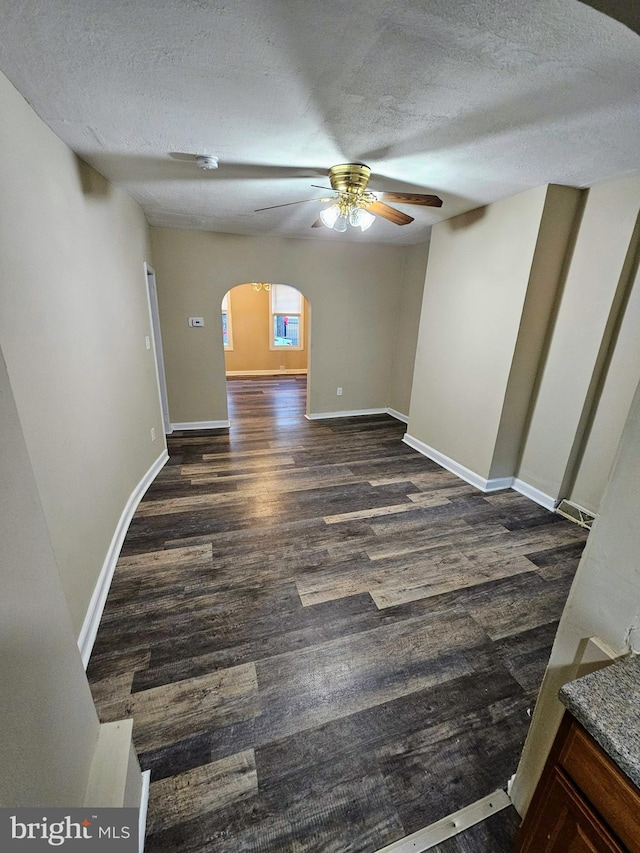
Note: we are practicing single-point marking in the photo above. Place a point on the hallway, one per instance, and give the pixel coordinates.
(325, 640)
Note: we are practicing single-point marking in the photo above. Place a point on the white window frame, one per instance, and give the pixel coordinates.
(272, 314)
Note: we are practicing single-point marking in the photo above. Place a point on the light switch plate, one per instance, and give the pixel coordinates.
(196, 321)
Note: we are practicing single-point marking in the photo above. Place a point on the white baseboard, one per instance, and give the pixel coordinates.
(316, 416)
(456, 468)
(98, 599)
(357, 413)
(493, 485)
(292, 372)
(144, 803)
(398, 415)
(202, 425)
(534, 494)
(448, 827)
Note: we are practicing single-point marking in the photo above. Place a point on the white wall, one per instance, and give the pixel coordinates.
(354, 295)
(73, 321)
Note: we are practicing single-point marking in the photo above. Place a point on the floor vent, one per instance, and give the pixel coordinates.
(575, 513)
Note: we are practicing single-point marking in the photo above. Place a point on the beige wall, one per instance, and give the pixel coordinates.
(489, 290)
(73, 321)
(603, 601)
(536, 310)
(596, 329)
(49, 725)
(353, 293)
(554, 244)
(558, 345)
(586, 313)
(408, 324)
(612, 407)
(251, 314)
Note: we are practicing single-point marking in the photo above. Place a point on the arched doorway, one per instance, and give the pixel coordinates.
(266, 330)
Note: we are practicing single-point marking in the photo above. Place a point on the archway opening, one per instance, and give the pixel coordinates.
(266, 331)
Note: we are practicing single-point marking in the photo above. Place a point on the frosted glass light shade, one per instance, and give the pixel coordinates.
(365, 220)
(339, 218)
(354, 215)
(340, 223)
(329, 215)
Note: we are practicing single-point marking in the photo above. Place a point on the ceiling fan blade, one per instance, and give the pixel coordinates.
(412, 198)
(390, 213)
(289, 203)
(317, 223)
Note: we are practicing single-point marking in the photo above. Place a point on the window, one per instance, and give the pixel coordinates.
(227, 337)
(286, 317)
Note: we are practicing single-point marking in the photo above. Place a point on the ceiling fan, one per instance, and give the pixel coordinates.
(353, 204)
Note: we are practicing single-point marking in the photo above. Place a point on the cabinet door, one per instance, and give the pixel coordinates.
(610, 792)
(564, 823)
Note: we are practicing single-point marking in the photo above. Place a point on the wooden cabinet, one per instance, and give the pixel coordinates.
(583, 802)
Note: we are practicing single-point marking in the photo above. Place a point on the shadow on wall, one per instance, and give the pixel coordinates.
(606, 353)
(92, 182)
(464, 220)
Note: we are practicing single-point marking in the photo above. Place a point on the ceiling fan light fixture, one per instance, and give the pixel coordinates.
(365, 220)
(354, 215)
(329, 215)
(346, 212)
(355, 205)
(341, 223)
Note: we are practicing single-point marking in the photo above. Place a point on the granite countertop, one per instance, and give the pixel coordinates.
(607, 704)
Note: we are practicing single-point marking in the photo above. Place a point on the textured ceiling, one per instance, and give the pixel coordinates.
(474, 100)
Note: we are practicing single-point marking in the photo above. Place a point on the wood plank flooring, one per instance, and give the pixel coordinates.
(326, 641)
(496, 834)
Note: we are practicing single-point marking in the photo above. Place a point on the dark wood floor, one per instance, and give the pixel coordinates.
(496, 834)
(326, 641)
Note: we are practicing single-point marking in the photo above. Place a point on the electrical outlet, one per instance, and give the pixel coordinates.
(147, 341)
(153, 433)
(339, 392)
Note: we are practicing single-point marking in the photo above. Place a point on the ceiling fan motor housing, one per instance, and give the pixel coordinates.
(350, 178)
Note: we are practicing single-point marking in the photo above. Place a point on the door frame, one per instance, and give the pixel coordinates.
(156, 341)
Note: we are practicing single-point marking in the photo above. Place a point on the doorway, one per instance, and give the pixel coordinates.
(266, 331)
